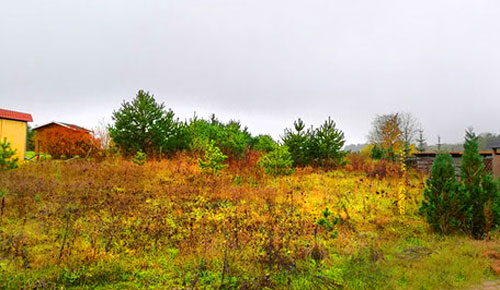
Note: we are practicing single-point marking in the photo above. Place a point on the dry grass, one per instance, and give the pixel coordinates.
(88, 224)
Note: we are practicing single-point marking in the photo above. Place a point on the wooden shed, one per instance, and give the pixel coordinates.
(13, 126)
(64, 131)
(495, 147)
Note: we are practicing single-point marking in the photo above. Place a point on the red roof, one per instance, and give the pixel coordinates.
(18, 116)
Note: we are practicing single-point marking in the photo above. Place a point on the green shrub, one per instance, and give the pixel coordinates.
(263, 143)
(6, 156)
(378, 153)
(230, 137)
(327, 222)
(277, 162)
(444, 198)
(213, 160)
(139, 158)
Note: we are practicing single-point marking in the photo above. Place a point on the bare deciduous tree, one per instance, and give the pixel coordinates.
(409, 127)
(102, 133)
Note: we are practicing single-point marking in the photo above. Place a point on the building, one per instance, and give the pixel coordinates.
(495, 164)
(423, 160)
(13, 127)
(59, 130)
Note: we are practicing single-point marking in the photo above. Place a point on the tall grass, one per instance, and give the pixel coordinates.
(87, 224)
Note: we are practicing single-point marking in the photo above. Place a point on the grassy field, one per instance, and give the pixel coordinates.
(113, 224)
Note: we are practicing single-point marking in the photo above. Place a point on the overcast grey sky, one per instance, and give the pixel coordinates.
(264, 62)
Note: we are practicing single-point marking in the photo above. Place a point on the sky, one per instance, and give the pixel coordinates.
(263, 62)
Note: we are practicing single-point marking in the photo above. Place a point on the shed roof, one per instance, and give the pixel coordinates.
(13, 115)
(456, 154)
(493, 144)
(65, 125)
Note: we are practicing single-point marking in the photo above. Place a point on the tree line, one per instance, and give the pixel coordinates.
(144, 125)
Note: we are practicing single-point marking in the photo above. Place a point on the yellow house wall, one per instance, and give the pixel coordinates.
(15, 132)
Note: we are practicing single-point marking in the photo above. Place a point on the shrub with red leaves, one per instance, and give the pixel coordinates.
(60, 142)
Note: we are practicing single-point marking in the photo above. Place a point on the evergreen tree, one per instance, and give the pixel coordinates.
(230, 137)
(482, 191)
(30, 138)
(213, 159)
(7, 159)
(377, 153)
(444, 200)
(277, 162)
(421, 140)
(263, 143)
(143, 124)
(327, 144)
(233, 139)
(473, 205)
(299, 143)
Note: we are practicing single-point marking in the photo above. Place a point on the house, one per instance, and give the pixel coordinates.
(52, 137)
(13, 126)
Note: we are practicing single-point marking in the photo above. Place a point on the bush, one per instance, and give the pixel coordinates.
(263, 143)
(277, 162)
(444, 199)
(383, 168)
(358, 162)
(213, 160)
(234, 140)
(143, 124)
(361, 162)
(61, 142)
(6, 156)
(139, 158)
(231, 138)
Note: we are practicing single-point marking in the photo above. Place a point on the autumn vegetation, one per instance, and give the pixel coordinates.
(203, 204)
(59, 143)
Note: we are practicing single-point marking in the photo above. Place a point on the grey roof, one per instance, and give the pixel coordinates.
(493, 144)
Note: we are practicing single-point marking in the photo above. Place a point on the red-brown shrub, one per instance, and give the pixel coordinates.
(60, 142)
(373, 168)
(358, 162)
(383, 168)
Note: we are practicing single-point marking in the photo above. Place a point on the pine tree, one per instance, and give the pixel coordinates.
(277, 162)
(444, 199)
(213, 159)
(482, 191)
(7, 159)
(327, 144)
(144, 124)
(421, 140)
(299, 143)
